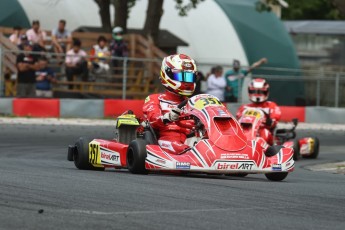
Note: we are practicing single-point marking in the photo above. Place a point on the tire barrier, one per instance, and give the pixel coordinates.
(101, 108)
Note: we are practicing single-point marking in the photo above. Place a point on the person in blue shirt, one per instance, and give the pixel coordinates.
(234, 79)
(44, 77)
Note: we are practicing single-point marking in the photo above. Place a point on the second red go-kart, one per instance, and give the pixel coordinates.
(217, 146)
(253, 121)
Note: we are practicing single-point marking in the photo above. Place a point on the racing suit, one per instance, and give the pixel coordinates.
(171, 137)
(272, 110)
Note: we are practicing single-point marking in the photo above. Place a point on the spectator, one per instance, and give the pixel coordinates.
(36, 36)
(61, 38)
(76, 63)
(23, 40)
(234, 79)
(216, 83)
(99, 54)
(26, 65)
(44, 77)
(15, 37)
(118, 48)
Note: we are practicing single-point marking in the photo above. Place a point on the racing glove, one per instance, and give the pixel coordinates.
(172, 116)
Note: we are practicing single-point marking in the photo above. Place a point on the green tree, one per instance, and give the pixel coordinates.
(153, 14)
(307, 9)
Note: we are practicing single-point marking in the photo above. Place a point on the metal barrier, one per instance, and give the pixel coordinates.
(139, 77)
(126, 74)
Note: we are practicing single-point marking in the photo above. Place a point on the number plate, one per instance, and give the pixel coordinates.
(94, 151)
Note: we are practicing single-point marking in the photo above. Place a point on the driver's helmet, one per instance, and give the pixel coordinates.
(258, 90)
(178, 74)
(116, 32)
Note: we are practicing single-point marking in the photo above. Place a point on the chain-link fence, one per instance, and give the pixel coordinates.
(135, 78)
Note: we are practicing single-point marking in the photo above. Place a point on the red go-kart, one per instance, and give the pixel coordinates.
(217, 143)
(253, 121)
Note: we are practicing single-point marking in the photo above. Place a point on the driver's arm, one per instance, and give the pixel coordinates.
(275, 114)
(153, 112)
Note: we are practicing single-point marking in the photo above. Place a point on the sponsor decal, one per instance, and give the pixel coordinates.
(233, 165)
(276, 167)
(110, 157)
(288, 164)
(222, 113)
(234, 156)
(182, 165)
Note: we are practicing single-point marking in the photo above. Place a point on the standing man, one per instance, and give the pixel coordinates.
(26, 65)
(44, 77)
(118, 48)
(216, 83)
(234, 79)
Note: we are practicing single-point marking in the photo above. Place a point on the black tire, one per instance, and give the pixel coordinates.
(276, 176)
(81, 155)
(315, 154)
(70, 153)
(136, 155)
(296, 152)
(273, 150)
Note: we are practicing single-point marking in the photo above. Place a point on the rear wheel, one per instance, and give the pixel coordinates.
(276, 176)
(296, 152)
(316, 149)
(136, 155)
(81, 155)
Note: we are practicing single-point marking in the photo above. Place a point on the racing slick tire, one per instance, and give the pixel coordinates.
(276, 176)
(81, 155)
(316, 149)
(273, 150)
(136, 155)
(296, 150)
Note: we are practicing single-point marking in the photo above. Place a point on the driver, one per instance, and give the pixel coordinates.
(178, 76)
(258, 90)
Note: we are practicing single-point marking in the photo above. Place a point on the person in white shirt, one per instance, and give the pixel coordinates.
(99, 56)
(76, 63)
(15, 37)
(36, 35)
(216, 83)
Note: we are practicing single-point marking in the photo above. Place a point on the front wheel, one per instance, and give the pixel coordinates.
(136, 156)
(81, 155)
(296, 150)
(276, 176)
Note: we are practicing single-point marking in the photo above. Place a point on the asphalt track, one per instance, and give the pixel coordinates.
(40, 189)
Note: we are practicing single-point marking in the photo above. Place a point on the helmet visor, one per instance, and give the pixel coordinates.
(184, 77)
(258, 91)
